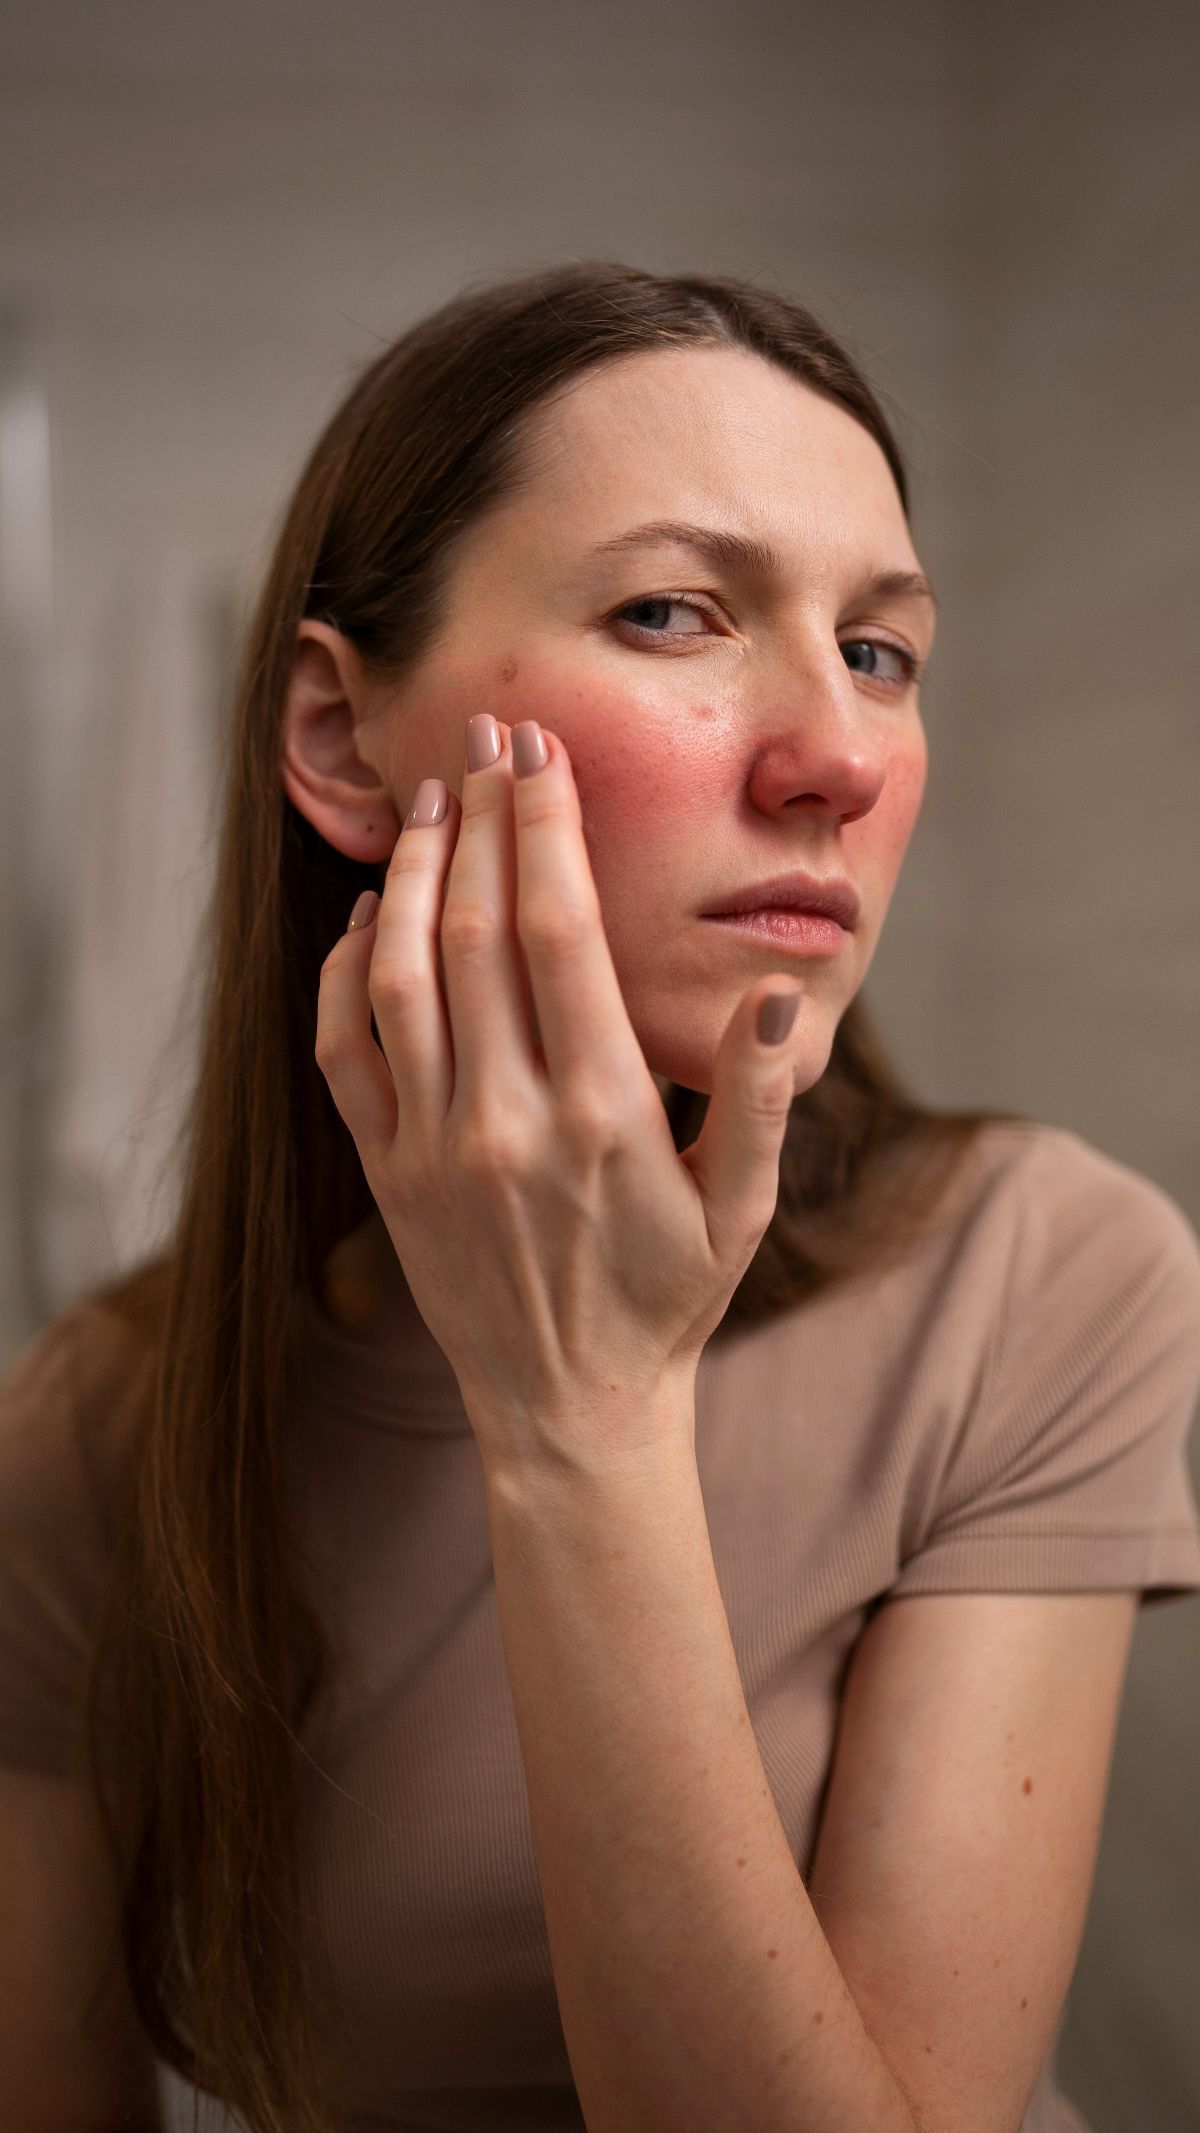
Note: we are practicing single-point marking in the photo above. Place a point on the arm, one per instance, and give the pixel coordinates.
(694, 1982)
(73, 2055)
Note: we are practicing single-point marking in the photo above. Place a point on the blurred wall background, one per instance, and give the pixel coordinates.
(210, 218)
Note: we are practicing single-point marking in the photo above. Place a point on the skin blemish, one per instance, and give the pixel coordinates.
(741, 1862)
(1028, 1785)
(1024, 2003)
(508, 671)
(772, 1952)
(819, 2016)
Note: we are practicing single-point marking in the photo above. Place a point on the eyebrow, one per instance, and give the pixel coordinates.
(740, 551)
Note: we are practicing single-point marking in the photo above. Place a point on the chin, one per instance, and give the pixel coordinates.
(809, 1052)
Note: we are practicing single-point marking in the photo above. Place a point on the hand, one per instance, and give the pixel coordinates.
(569, 1262)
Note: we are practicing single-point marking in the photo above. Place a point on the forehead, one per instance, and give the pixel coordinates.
(715, 435)
(711, 433)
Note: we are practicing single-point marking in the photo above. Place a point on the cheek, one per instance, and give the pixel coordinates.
(637, 785)
(890, 823)
(647, 812)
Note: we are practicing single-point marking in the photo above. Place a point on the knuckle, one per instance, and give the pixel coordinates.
(588, 1122)
(556, 931)
(541, 803)
(391, 982)
(470, 931)
(488, 1149)
(406, 858)
(332, 1046)
(758, 1221)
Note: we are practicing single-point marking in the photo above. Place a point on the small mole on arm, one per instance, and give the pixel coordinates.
(1024, 2003)
(1028, 1785)
(772, 1952)
(819, 2016)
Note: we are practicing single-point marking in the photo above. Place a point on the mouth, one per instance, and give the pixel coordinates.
(831, 896)
(785, 926)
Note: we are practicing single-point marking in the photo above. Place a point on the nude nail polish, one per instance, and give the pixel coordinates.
(483, 741)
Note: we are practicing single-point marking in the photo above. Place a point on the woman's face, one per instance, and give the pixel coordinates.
(724, 723)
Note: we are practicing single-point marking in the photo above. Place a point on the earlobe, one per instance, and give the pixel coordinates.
(327, 773)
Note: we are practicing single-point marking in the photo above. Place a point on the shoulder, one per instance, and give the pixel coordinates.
(68, 1401)
(1081, 1218)
(69, 1404)
(1058, 1200)
(1064, 1467)
(1095, 1306)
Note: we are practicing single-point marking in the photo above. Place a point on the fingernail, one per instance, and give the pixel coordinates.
(776, 1015)
(483, 741)
(429, 806)
(529, 748)
(364, 911)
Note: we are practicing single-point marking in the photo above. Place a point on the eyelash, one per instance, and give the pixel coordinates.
(914, 667)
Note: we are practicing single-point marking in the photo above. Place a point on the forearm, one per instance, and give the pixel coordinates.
(697, 1991)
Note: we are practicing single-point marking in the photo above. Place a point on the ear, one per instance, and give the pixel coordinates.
(331, 743)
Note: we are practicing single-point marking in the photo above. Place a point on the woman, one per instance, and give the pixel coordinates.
(618, 1538)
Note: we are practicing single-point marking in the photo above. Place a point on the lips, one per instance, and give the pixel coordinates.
(828, 897)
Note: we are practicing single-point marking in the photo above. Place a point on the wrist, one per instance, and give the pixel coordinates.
(626, 1440)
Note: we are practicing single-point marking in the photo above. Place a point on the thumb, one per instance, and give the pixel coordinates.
(735, 1157)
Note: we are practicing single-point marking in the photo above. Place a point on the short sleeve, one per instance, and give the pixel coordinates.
(1071, 1471)
(59, 1411)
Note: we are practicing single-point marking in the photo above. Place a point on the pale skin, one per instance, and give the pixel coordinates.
(547, 1216)
(769, 726)
(566, 1259)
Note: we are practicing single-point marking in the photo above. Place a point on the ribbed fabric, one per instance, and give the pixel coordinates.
(1007, 1409)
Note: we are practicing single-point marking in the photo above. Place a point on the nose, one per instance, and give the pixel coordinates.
(820, 741)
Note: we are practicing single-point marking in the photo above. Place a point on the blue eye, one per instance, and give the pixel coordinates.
(660, 601)
(911, 668)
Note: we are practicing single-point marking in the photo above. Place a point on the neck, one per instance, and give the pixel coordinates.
(363, 1287)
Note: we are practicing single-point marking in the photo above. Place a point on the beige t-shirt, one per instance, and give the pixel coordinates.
(1006, 1409)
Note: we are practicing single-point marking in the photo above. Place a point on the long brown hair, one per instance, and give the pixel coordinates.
(208, 1659)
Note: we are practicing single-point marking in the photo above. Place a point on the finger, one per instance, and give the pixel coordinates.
(588, 1039)
(735, 1157)
(404, 980)
(486, 994)
(346, 1051)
